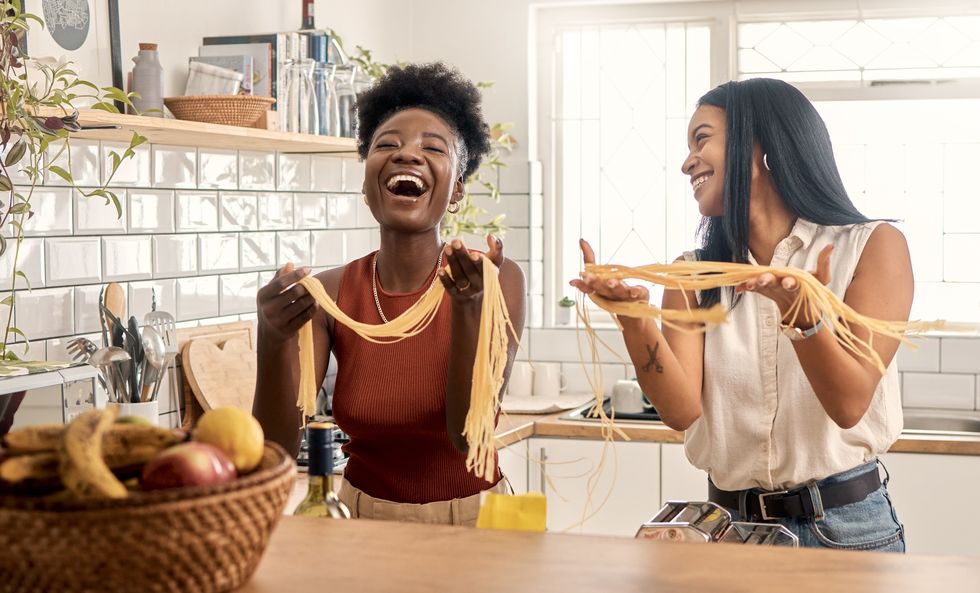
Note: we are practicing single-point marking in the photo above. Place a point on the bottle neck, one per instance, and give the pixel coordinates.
(308, 17)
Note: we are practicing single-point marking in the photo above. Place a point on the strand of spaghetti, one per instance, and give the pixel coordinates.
(488, 367)
(813, 298)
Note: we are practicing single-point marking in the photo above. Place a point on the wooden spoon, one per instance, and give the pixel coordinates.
(115, 301)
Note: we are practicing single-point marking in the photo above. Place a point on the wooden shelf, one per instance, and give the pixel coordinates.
(178, 132)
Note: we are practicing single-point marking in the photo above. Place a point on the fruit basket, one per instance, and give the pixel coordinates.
(202, 539)
(229, 110)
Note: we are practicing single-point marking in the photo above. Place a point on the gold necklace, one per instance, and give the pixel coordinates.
(374, 281)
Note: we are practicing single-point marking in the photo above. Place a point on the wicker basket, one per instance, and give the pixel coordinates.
(229, 110)
(194, 540)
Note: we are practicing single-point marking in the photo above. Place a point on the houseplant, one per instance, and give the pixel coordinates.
(38, 99)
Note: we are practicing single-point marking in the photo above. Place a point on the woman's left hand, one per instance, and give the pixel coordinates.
(466, 283)
(784, 290)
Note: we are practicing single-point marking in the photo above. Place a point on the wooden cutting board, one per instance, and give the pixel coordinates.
(221, 375)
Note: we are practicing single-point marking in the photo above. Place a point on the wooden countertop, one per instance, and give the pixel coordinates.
(515, 427)
(367, 556)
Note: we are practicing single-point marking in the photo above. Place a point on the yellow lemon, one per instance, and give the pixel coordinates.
(234, 431)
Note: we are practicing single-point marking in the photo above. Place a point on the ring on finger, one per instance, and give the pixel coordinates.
(463, 286)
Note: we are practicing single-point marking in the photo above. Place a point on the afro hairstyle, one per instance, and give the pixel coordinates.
(434, 87)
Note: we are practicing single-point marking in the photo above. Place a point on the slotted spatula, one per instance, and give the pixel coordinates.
(165, 325)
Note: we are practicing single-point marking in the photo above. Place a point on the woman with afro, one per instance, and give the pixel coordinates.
(421, 134)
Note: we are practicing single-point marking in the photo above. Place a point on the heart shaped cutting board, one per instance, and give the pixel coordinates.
(221, 375)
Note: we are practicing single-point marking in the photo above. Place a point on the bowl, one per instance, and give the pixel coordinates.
(228, 110)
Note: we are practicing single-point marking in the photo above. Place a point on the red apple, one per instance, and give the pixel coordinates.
(188, 464)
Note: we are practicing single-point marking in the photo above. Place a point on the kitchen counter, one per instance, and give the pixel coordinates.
(513, 428)
(368, 556)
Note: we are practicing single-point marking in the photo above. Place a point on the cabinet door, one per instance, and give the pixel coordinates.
(513, 464)
(934, 498)
(615, 501)
(679, 480)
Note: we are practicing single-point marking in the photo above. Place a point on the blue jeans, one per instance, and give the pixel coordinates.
(869, 524)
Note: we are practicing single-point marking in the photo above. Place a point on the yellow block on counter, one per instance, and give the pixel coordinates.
(520, 512)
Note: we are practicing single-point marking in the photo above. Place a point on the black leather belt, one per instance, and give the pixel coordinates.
(761, 505)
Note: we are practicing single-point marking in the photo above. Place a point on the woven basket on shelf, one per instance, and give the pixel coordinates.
(195, 540)
(229, 110)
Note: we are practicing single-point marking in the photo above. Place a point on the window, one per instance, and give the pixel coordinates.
(898, 95)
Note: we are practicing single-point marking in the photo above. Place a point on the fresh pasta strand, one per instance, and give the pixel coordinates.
(814, 300)
(488, 368)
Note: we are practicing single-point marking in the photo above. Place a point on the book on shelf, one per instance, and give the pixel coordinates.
(281, 48)
(239, 63)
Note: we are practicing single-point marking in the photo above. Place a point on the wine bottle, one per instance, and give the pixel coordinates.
(321, 500)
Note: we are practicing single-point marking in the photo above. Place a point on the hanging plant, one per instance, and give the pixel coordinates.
(37, 98)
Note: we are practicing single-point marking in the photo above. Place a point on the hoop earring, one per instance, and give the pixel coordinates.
(451, 209)
(765, 162)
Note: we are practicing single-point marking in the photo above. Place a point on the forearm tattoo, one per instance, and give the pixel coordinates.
(653, 363)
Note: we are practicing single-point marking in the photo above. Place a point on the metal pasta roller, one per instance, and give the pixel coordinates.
(706, 522)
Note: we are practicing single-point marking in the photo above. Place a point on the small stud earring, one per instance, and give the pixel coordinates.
(765, 162)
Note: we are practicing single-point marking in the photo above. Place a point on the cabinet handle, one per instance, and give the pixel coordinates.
(543, 477)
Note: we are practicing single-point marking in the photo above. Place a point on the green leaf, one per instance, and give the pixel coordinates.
(21, 208)
(5, 183)
(26, 279)
(116, 203)
(61, 173)
(8, 300)
(11, 356)
(16, 153)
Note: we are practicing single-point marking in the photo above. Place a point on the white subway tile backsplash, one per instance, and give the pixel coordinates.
(577, 377)
(46, 313)
(294, 247)
(960, 355)
(238, 293)
(516, 244)
(329, 248)
(73, 260)
(923, 359)
(133, 171)
(294, 172)
(127, 258)
(359, 243)
(353, 176)
(239, 212)
(87, 312)
(174, 166)
(197, 211)
(84, 169)
(958, 254)
(174, 255)
(310, 211)
(217, 169)
(275, 211)
(327, 173)
(258, 251)
(342, 211)
(364, 217)
(536, 211)
(515, 208)
(256, 170)
(934, 390)
(197, 298)
(151, 211)
(94, 216)
(141, 296)
(30, 261)
(266, 277)
(560, 345)
(515, 177)
(219, 252)
(52, 208)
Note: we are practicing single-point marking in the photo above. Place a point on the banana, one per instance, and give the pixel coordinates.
(44, 466)
(116, 440)
(80, 463)
(33, 439)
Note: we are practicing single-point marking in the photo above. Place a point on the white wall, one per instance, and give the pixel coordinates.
(179, 25)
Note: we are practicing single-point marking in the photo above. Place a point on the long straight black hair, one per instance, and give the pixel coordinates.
(799, 155)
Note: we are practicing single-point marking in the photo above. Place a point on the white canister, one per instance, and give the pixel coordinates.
(548, 380)
(521, 380)
(148, 81)
(149, 411)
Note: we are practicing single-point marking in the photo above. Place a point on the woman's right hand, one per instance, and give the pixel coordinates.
(283, 305)
(612, 290)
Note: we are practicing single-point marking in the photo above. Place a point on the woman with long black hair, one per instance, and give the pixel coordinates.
(785, 421)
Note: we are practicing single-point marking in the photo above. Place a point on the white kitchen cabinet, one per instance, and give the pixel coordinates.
(679, 480)
(933, 495)
(513, 464)
(622, 496)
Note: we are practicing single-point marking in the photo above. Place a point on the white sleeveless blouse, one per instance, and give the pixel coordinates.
(762, 425)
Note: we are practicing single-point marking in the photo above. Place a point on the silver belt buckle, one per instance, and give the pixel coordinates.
(762, 504)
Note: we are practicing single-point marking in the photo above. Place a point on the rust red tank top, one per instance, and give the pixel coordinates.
(391, 399)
